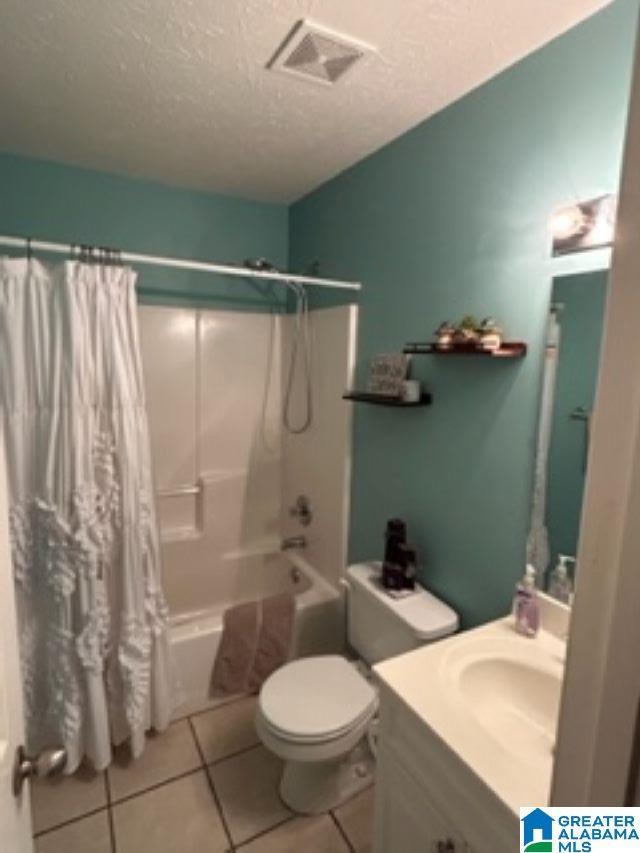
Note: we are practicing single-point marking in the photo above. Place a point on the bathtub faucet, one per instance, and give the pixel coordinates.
(294, 543)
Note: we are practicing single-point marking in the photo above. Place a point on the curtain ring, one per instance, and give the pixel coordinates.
(29, 249)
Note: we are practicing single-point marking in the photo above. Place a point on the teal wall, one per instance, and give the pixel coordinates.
(60, 203)
(583, 299)
(451, 218)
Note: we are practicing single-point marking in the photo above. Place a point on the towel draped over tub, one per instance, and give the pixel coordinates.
(256, 640)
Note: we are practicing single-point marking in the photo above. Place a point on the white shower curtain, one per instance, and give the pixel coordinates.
(93, 621)
(538, 539)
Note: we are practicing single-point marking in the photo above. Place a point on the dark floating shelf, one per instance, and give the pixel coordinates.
(509, 349)
(384, 400)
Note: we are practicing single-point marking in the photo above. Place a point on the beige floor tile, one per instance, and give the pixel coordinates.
(166, 755)
(226, 730)
(88, 835)
(356, 819)
(179, 817)
(247, 786)
(317, 834)
(55, 801)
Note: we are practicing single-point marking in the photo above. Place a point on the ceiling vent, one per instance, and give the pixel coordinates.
(318, 54)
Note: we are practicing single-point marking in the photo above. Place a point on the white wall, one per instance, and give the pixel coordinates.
(598, 749)
(206, 374)
(214, 397)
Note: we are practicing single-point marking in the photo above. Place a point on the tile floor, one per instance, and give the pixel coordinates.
(204, 786)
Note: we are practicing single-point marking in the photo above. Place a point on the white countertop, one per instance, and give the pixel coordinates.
(492, 696)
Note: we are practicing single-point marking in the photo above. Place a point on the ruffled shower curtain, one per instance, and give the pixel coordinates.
(538, 538)
(93, 620)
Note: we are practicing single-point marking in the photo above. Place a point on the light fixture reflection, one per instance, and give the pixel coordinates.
(182, 324)
(585, 225)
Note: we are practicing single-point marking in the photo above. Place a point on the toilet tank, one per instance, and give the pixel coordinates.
(380, 626)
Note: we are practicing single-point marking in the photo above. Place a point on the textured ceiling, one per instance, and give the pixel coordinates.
(176, 90)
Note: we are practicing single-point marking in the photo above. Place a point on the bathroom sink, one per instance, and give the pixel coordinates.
(511, 690)
(492, 697)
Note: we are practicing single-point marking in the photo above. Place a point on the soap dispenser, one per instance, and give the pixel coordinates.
(526, 608)
(560, 585)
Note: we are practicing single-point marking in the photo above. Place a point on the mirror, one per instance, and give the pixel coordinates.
(568, 387)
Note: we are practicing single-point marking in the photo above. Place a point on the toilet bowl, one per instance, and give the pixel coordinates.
(317, 713)
(314, 713)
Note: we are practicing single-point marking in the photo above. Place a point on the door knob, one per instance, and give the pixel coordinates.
(49, 762)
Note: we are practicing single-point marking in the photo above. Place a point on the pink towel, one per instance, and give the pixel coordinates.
(256, 640)
(274, 643)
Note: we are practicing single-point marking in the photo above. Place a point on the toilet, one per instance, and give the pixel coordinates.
(318, 713)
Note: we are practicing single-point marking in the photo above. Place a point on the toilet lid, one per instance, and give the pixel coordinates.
(315, 698)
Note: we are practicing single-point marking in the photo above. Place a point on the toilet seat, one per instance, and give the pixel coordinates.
(315, 700)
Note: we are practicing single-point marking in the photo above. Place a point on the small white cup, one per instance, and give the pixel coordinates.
(411, 391)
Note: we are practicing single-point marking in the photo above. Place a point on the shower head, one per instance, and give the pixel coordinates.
(260, 265)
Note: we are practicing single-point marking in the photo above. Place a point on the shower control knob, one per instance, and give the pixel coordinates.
(302, 510)
(49, 762)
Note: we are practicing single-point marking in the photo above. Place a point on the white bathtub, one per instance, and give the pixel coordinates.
(319, 622)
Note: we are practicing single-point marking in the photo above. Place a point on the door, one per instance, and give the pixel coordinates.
(15, 812)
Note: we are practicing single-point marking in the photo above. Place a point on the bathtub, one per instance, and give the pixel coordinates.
(318, 627)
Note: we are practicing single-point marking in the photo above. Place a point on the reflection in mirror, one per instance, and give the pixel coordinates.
(566, 404)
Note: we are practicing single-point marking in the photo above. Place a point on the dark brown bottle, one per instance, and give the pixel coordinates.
(395, 539)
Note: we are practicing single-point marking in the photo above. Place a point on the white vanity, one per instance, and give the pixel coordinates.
(467, 732)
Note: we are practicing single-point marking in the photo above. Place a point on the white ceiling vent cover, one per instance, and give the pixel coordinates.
(316, 53)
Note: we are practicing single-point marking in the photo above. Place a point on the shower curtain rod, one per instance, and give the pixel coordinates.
(181, 263)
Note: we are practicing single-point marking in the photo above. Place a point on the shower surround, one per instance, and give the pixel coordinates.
(227, 472)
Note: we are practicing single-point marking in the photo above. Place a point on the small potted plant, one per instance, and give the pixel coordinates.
(444, 335)
(466, 333)
(490, 334)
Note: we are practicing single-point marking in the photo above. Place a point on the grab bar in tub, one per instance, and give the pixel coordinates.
(179, 491)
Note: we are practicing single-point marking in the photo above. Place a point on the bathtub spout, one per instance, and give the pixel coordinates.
(294, 543)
